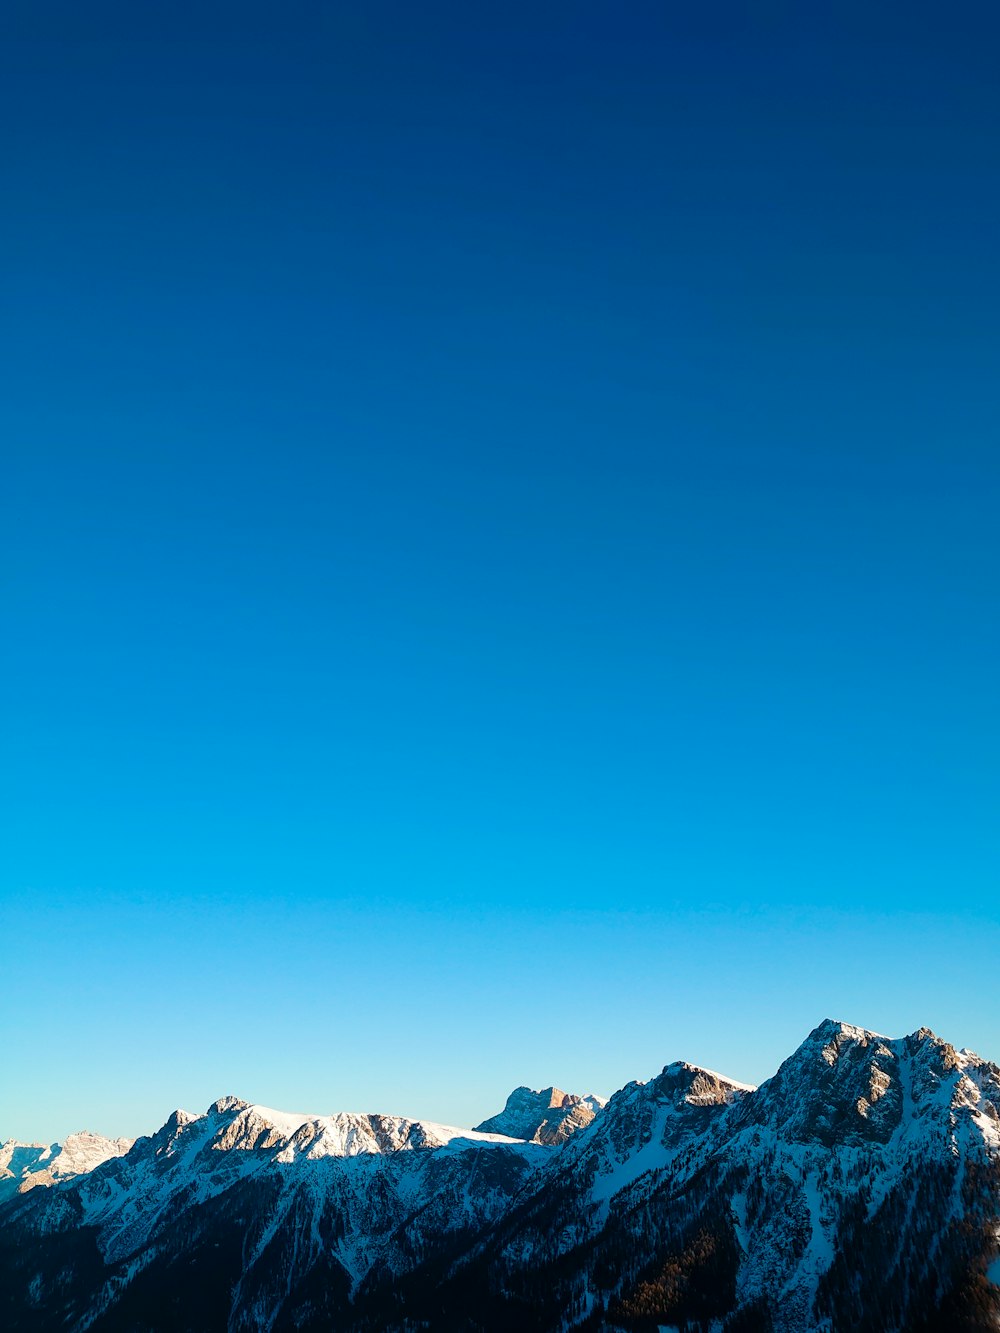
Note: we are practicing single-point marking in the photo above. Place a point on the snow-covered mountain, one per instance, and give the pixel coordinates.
(857, 1189)
(24, 1165)
(294, 1211)
(546, 1116)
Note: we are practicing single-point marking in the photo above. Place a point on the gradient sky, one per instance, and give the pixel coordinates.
(500, 546)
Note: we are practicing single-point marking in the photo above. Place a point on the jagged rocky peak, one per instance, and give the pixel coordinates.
(83, 1151)
(842, 1085)
(25, 1165)
(683, 1082)
(849, 1085)
(224, 1105)
(179, 1118)
(930, 1050)
(655, 1117)
(546, 1115)
(163, 1139)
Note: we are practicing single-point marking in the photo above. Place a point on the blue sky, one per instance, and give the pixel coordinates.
(499, 547)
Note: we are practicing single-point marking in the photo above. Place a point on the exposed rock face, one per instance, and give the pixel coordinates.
(840, 1086)
(858, 1189)
(19, 1160)
(25, 1165)
(549, 1116)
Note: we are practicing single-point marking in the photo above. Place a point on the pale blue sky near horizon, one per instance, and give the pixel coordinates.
(500, 559)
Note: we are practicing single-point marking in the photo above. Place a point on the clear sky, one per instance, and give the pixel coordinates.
(500, 546)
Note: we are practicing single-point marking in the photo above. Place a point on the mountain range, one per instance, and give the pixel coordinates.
(857, 1189)
(24, 1165)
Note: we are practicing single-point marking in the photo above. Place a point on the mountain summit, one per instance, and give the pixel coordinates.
(547, 1116)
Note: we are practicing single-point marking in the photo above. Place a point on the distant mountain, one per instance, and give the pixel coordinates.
(24, 1165)
(549, 1116)
(858, 1189)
